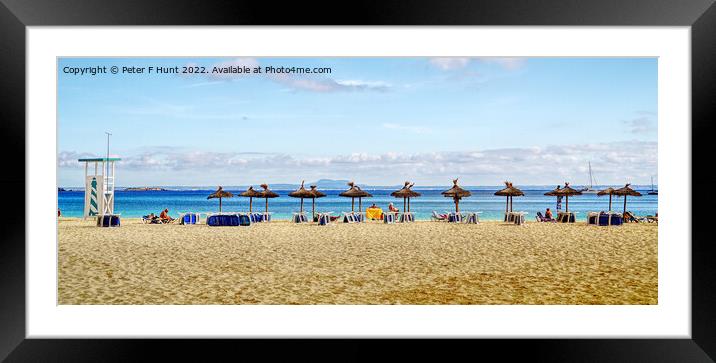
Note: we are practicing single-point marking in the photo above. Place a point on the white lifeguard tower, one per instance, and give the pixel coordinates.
(99, 186)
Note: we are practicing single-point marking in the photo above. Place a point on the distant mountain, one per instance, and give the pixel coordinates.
(332, 184)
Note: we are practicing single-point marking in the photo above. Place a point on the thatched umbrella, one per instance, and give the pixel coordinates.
(554, 193)
(251, 194)
(355, 192)
(220, 193)
(509, 191)
(626, 191)
(315, 194)
(266, 193)
(609, 191)
(564, 192)
(406, 193)
(302, 193)
(456, 193)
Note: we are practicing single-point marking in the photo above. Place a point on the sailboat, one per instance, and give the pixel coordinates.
(653, 191)
(590, 189)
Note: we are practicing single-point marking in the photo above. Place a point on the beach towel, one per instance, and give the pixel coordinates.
(375, 214)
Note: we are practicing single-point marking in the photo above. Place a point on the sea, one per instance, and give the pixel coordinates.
(135, 204)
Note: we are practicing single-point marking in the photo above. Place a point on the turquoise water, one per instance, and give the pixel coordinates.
(139, 203)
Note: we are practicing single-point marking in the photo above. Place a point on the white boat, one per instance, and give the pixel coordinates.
(590, 189)
(653, 191)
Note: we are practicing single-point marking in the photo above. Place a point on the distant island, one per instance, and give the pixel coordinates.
(144, 189)
(61, 190)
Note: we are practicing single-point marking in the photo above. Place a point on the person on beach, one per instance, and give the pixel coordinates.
(373, 206)
(164, 216)
(392, 208)
(548, 214)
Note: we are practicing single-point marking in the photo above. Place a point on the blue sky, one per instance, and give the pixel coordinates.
(375, 120)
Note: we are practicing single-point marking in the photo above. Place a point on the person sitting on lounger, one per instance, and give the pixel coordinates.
(548, 215)
(164, 216)
(392, 208)
(373, 206)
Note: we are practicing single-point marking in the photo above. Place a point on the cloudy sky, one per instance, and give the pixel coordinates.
(375, 120)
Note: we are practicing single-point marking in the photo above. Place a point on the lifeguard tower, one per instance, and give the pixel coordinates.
(99, 186)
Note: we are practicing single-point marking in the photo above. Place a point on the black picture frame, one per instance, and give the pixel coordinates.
(16, 15)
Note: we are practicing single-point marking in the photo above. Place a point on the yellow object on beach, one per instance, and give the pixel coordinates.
(374, 213)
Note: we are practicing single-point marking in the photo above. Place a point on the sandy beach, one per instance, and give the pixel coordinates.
(371, 263)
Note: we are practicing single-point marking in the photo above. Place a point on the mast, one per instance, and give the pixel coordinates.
(591, 181)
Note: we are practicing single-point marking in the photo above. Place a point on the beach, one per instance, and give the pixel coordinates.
(370, 263)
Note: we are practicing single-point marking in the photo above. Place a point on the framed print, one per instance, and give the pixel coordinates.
(393, 177)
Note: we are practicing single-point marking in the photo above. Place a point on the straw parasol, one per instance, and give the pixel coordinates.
(509, 191)
(315, 194)
(566, 192)
(553, 193)
(406, 193)
(266, 193)
(355, 192)
(302, 193)
(220, 193)
(456, 193)
(626, 191)
(251, 194)
(609, 191)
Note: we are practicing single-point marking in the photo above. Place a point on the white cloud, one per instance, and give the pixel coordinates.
(450, 63)
(613, 163)
(641, 125)
(456, 63)
(305, 82)
(508, 63)
(308, 83)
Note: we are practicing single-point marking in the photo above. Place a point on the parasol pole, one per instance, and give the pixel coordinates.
(625, 197)
(251, 202)
(566, 204)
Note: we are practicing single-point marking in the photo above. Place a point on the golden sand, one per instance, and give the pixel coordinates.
(370, 263)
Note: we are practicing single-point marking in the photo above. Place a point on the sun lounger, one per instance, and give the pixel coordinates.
(471, 218)
(230, 219)
(407, 217)
(348, 217)
(299, 218)
(389, 218)
(108, 220)
(147, 220)
(454, 217)
(630, 217)
(438, 217)
(541, 218)
(188, 218)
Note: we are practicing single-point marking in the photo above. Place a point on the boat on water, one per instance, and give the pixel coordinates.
(652, 191)
(590, 189)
